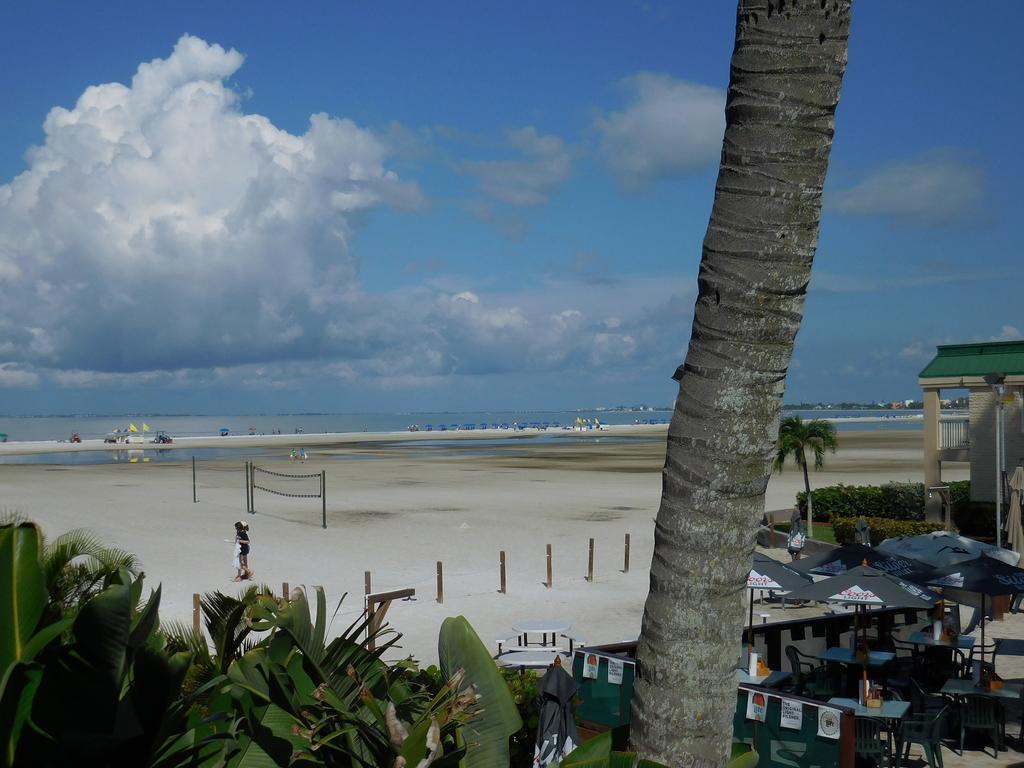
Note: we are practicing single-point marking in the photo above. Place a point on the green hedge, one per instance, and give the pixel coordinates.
(895, 501)
(881, 528)
(975, 518)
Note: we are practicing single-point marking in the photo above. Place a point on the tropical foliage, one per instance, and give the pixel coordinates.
(100, 682)
(882, 528)
(796, 438)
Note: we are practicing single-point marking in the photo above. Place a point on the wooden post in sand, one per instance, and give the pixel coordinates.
(501, 569)
(625, 561)
(590, 562)
(771, 527)
(194, 497)
(440, 582)
(548, 583)
(196, 611)
(323, 497)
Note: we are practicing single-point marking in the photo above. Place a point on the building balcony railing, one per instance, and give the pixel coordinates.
(954, 432)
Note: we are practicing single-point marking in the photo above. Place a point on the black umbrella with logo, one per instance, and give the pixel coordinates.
(984, 575)
(841, 559)
(766, 573)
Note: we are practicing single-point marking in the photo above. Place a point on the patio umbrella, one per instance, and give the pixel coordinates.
(863, 586)
(943, 548)
(556, 728)
(985, 576)
(841, 559)
(1013, 520)
(767, 573)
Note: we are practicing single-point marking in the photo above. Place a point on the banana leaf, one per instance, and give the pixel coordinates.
(22, 590)
(487, 734)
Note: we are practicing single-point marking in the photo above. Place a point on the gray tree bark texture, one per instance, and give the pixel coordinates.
(786, 73)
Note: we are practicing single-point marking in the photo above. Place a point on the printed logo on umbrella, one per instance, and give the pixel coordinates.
(756, 581)
(1013, 580)
(895, 566)
(856, 594)
(951, 580)
(834, 568)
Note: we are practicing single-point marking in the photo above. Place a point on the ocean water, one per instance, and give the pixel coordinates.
(93, 427)
(61, 427)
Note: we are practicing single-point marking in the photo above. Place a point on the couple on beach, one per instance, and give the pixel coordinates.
(241, 561)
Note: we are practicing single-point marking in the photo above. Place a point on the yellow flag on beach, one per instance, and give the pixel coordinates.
(145, 427)
(132, 428)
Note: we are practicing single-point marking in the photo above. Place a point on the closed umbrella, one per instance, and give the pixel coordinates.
(841, 559)
(766, 573)
(1013, 523)
(556, 728)
(865, 586)
(985, 576)
(943, 548)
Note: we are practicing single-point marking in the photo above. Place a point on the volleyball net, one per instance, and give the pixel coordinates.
(291, 485)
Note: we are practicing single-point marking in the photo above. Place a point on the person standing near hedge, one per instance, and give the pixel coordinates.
(863, 531)
(796, 538)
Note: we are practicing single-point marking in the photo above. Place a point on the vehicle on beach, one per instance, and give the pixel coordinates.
(3, 437)
(163, 438)
(75, 438)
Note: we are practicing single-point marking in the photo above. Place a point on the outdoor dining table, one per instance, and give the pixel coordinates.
(543, 628)
(890, 710)
(957, 687)
(963, 642)
(773, 678)
(849, 656)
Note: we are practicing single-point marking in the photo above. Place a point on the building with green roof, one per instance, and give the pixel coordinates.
(993, 375)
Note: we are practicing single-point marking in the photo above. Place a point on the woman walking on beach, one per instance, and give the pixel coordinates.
(242, 551)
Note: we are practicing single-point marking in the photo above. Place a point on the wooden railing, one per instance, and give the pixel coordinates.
(954, 433)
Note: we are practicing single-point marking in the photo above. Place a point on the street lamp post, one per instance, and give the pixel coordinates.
(997, 383)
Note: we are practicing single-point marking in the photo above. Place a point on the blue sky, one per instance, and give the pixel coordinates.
(413, 206)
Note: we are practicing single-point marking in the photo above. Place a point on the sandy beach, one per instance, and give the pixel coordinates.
(397, 509)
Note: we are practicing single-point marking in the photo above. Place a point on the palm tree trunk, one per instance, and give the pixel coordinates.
(810, 501)
(787, 69)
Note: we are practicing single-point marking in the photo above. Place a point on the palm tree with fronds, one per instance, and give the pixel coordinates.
(76, 564)
(796, 438)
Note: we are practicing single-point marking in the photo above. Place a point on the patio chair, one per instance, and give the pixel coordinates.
(925, 732)
(980, 713)
(825, 682)
(923, 703)
(938, 664)
(979, 653)
(801, 669)
(872, 742)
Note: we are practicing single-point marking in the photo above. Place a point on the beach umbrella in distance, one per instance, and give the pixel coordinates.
(864, 586)
(767, 573)
(1013, 523)
(986, 576)
(942, 548)
(838, 561)
(556, 727)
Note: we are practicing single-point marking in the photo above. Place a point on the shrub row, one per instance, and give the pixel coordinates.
(975, 518)
(881, 528)
(895, 501)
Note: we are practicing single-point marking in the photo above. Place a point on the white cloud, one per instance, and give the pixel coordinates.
(163, 238)
(669, 127)
(544, 164)
(1008, 333)
(939, 188)
(159, 226)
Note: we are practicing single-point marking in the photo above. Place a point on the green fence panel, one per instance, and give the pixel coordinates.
(603, 702)
(779, 746)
